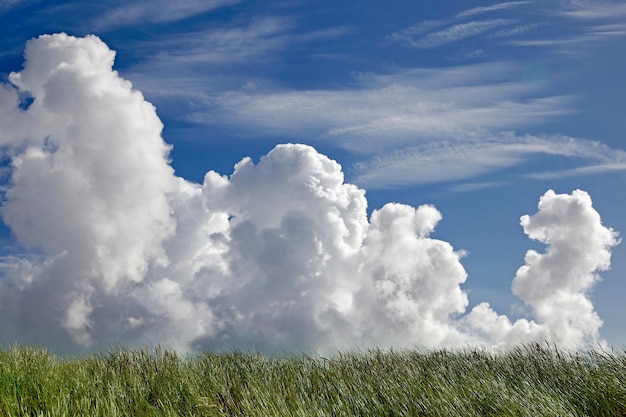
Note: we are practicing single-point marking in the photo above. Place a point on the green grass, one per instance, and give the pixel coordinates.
(528, 381)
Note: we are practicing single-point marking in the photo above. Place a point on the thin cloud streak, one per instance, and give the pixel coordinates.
(7, 4)
(576, 44)
(159, 11)
(405, 108)
(589, 24)
(484, 9)
(614, 29)
(227, 45)
(425, 35)
(412, 34)
(180, 67)
(595, 10)
(516, 30)
(609, 166)
(257, 40)
(452, 34)
(475, 186)
(444, 162)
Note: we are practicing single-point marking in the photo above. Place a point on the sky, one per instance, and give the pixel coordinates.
(312, 176)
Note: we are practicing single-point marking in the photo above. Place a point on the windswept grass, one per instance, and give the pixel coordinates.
(528, 381)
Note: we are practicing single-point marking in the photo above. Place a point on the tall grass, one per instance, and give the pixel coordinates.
(528, 381)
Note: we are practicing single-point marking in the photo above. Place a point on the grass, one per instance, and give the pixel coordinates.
(528, 381)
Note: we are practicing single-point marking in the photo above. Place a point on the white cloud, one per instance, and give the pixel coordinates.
(594, 9)
(473, 186)
(579, 44)
(608, 30)
(456, 33)
(415, 35)
(618, 164)
(449, 161)
(156, 11)
(278, 256)
(405, 108)
(478, 53)
(435, 163)
(89, 187)
(223, 45)
(411, 32)
(7, 4)
(431, 121)
(175, 56)
(184, 71)
(587, 25)
(555, 285)
(484, 9)
(516, 30)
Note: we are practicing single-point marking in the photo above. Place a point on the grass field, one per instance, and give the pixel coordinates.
(528, 381)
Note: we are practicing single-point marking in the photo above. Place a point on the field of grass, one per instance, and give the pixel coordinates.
(529, 381)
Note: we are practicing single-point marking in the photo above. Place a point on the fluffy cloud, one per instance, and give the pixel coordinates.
(555, 285)
(89, 178)
(279, 255)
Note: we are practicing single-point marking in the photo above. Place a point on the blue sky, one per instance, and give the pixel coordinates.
(475, 107)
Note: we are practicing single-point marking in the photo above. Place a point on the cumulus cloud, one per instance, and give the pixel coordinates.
(555, 285)
(279, 255)
(89, 176)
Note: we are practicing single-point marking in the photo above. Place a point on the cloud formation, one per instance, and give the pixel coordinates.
(407, 107)
(555, 285)
(457, 32)
(280, 255)
(584, 9)
(484, 9)
(443, 161)
(142, 12)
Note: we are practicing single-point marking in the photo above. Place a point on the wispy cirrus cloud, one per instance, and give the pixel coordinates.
(453, 161)
(227, 44)
(193, 66)
(578, 43)
(426, 126)
(516, 30)
(475, 186)
(5, 4)
(424, 34)
(484, 9)
(587, 22)
(156, 12)
(594, 9)
(451, 34)
(584, 24)
(404, 108)
(438, 119)
(608, 30)
(259, 37)
(615, 163)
